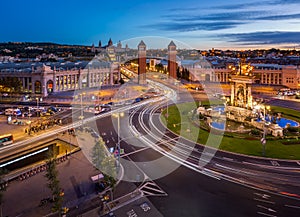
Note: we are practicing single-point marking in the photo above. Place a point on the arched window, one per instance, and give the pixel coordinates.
(37, 87)
(50, 86)
(207, 77)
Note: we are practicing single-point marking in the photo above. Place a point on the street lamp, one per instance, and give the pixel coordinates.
(264, 140)
(118, 115)
(81, 109)
(37, 102)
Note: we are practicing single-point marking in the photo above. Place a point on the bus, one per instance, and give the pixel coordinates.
(6, 139)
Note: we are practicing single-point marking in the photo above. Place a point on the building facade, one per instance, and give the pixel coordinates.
(267, 74)
(44, 79)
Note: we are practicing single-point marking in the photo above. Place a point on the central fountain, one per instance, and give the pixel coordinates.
(240, 110)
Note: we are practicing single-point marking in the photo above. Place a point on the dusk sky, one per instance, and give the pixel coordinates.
(201, 24)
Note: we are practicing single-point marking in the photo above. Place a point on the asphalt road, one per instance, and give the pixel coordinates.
(193, 194)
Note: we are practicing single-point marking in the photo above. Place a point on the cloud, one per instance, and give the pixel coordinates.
(254, 4)
(279, 17)
(259, 38)
(223, 17)
(286, 2)
(193, 26)
(240, 6)
(232, 16)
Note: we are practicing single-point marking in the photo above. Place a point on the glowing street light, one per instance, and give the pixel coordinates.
(118, 115)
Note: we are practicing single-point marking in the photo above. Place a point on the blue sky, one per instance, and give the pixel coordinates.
(200, 24)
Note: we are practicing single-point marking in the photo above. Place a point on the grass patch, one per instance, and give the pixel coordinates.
(248, 145)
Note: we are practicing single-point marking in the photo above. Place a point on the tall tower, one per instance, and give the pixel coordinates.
(142, 63)
(172, 60)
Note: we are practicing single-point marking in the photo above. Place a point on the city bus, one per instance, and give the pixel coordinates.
(6, 139)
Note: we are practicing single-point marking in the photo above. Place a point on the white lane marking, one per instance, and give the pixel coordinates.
(265, 214)
(275, 163)
(264, 196)
(264, 201)
(225, 167)
(298, 162)
(226, 158)
(270, 166)
(139, 150)
(292, 206)
(266, 208)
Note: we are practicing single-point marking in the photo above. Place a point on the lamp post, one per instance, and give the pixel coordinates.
(118, 115)
(37, 102)
(264, 140)
(81, 108)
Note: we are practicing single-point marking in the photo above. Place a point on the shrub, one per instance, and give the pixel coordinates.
(255, 132)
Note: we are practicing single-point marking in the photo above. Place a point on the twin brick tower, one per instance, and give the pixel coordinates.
(172, 65)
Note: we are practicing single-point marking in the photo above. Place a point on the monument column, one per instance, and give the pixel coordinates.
(142, 63)
(249, 98)
(172, 65)
(232, 94)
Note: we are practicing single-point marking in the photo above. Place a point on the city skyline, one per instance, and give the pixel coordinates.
(201, 25)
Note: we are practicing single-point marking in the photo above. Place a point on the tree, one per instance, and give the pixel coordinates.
(178, 73)
(53, 183)
(104, 162)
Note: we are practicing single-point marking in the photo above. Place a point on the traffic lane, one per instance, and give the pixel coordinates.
(216, 197)
(285, 103)
(109, 134)
(192, 194)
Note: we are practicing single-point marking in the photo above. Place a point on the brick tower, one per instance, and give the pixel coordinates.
(142, 63)
(172, 65)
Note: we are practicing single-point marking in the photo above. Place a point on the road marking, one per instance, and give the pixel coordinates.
(226, 158)
(266, 208)
(225, 167)
(265, 214)
(291, 206)
(264, 201)
(150, 188)
(264, 196)
(298, 162)
(275, 163)
(139, 150)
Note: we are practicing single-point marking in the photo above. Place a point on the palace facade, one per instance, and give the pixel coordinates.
(267, 74)
(44, 79)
